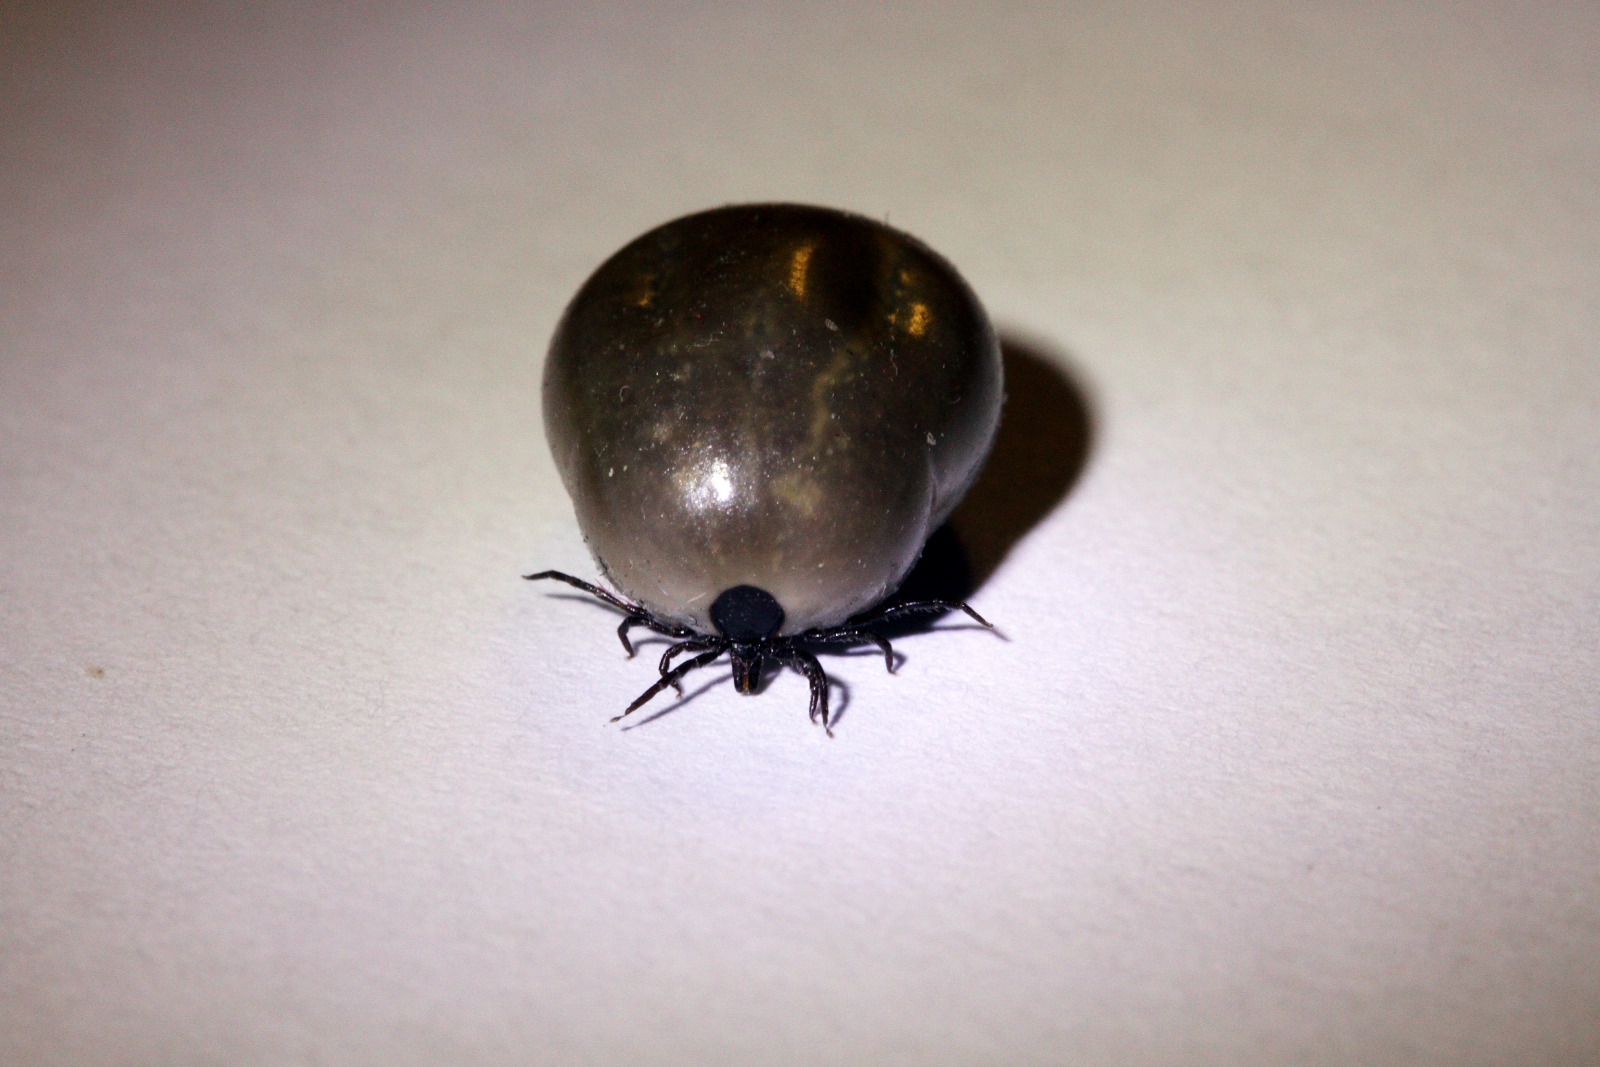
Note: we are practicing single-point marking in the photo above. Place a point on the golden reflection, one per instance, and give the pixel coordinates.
(799, 264)
(919, 320)
(647, 292)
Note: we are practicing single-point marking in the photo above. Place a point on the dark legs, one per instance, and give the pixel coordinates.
(807, 664)
(694, 644)
(627, 624)
(636, 615)
(855, 637)
(917, 607)
(670, 679)
(593, 590)
(789, 651)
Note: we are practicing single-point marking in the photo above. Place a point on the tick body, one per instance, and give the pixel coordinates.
(761, 413)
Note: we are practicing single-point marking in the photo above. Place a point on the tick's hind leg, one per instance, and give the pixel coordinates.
(637, 614)
(918, 607)
(593, 590)
(853, 636)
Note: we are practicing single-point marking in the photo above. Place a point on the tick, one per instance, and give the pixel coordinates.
(761, 413)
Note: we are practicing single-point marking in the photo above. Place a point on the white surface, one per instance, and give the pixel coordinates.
(1292, 754)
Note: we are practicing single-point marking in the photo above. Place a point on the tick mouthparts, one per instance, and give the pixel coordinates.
(746, 672)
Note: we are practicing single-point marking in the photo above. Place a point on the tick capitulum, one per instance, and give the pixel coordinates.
(747, 621)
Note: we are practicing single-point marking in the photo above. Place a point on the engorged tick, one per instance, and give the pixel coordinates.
(761, 413)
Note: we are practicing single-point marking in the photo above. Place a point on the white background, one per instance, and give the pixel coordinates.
(1292, 751)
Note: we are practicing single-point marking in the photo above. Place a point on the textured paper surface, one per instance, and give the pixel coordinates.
(1290, 754)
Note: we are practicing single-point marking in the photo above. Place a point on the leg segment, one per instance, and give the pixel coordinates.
(694, 644)
(853, 636)
(669, 679)
(918, 607)
(807, 664)
(593, 590)
(627, 624)
(636, 614)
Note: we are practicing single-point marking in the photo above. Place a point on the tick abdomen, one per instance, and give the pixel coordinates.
(782, 397)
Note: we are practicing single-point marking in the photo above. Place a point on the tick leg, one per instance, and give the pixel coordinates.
(919, 607)
(694, 644)
(593, 590)
(807, 664)
(856, 637)
(627, 624)
(670, 629)
(669, 679)
(637, 614)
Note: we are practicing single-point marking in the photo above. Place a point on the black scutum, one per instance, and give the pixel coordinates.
(745, 613)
